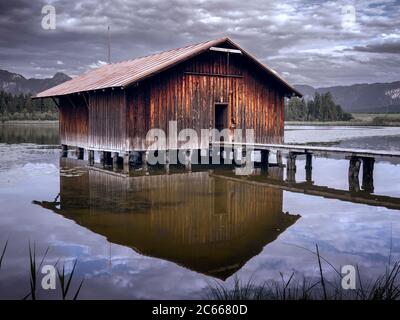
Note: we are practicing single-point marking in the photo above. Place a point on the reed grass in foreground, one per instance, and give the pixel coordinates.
(64, 278)
(384, 287)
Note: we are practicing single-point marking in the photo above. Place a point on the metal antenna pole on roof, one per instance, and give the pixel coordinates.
(108, 45)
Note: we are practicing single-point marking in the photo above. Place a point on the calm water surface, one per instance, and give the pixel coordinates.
(170, 236)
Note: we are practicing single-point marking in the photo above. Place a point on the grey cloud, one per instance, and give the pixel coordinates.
(388, 47)
(277, 33)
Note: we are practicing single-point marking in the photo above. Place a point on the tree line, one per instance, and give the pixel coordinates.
(321, 108)
(22, 107)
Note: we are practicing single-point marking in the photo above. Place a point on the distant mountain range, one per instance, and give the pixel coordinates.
(374, 97)
(15, 83)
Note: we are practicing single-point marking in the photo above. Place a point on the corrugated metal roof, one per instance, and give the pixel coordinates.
(125, 73)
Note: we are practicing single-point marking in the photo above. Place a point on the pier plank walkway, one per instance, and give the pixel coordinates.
(304, 149)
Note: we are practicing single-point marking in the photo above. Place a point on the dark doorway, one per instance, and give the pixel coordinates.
(221, 116)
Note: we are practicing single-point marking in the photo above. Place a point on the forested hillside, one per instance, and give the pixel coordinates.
(321, 108)
(22, 107)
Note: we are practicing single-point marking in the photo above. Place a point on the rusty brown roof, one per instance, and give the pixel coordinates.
(125, 73)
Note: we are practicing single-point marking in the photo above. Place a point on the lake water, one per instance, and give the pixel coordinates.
(171, 236)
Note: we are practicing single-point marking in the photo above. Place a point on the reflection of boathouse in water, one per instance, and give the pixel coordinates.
(205, 223)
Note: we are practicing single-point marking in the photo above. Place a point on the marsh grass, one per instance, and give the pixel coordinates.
(33, 271)
(384, 287)
(65, 279)
(3, 253)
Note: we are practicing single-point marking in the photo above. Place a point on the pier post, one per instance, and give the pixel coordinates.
(308, 167)
(291, 175)
(354, 170)
(279, 158)
(246, 156)
(354, 167)
(91, 157)
(102, 158)
(308, 161)
(167, 160)
(188, 159)
(114, 156)
(291, 162)
(354, 184)
(145, 158)
(264, 159)
(368, 174)
(64, 150)
(80, 153)
(126, 162)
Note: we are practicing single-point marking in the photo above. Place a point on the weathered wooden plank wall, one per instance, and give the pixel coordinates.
(74, 117)
(188, 94)
(107, 120)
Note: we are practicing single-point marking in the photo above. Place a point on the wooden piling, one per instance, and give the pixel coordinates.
(126, 166)
(291, 175)
(91, 157)
(264, 158)
(368, 174)
(308, 161)
(354, 184)
(145, 157)
(188, 160)
(279, 158)
(80, 153)
(354, 166)
(291, 162)
(102, 158)
(308, 167)
(64, 150)
(309, 175)
(114, 156)
(167, 160)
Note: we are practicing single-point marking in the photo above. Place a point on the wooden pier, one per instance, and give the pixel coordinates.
(228, 152)
(356, 157)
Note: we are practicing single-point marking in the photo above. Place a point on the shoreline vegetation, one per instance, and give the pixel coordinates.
(321, 108)
(361, 120)
(323, 111)
(22, 107)
(377, 120)
(386, 286)
(320, 111)
(41, 122)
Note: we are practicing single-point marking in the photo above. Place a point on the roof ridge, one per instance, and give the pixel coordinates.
(165, 51)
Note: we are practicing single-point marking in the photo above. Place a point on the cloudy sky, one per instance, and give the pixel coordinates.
(319, 43)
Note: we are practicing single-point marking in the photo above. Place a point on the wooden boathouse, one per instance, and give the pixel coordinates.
(214, 84)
